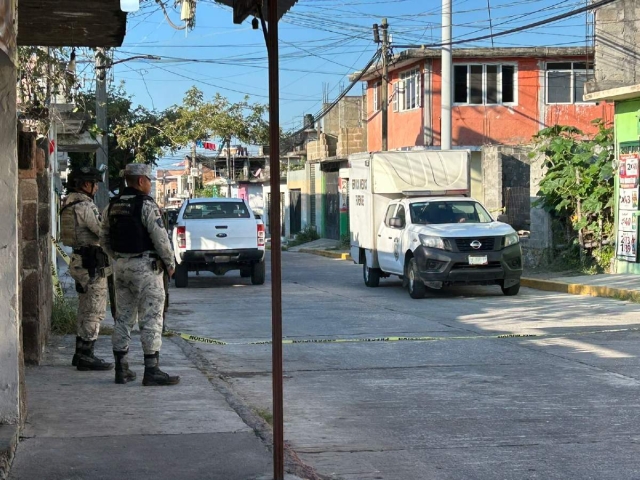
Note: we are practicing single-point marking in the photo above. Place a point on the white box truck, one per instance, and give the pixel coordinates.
(411, 216)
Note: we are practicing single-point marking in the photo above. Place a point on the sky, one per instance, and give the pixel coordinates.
(321, 43)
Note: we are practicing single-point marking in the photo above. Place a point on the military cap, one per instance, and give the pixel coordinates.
(138, 169)
(86, 174)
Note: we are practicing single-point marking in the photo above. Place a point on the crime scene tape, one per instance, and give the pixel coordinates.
(57, 288)
(61, 252)
(215, 341)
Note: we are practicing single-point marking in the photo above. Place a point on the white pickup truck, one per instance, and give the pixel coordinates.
(410, 216)
(219, 235)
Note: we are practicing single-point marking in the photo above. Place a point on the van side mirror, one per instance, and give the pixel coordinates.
(396, 222)
(258, 217)
(503, 218)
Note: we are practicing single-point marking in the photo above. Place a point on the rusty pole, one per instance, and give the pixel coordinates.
(276, 252)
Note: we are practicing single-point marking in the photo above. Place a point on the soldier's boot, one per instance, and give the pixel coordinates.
(88, 360)
(153, 376)
(76, 356)
(123, 374)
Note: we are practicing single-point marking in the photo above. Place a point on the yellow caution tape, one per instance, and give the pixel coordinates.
(215, 341)
(57, 288)
(61, 252)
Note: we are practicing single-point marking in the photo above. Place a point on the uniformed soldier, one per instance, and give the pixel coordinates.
(80, 229)
(133, 233)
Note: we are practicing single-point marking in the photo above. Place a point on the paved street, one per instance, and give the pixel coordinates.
(560, 405)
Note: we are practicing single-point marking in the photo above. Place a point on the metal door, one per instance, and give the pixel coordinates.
(295, 211)
(332, 206)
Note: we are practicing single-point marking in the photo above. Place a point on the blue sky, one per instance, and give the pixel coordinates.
(321, 42)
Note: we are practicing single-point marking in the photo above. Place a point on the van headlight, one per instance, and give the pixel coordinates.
(431, 242)
(511, 239)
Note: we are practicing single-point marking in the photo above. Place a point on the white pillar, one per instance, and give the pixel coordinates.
(10, 324)
(447, 67)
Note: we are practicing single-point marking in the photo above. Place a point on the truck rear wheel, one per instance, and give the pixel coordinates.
(258, 273)
(371, 275)
(181, 276)
(417, 288)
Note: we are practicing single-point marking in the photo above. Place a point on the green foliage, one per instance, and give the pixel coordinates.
(578, 189)
(306, 235)
(63, 316)
(208, 191)
(199, 119)
(134, 133)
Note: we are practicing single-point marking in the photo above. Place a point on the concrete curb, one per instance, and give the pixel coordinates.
(8, 443)
(579, 289)
(326, 253)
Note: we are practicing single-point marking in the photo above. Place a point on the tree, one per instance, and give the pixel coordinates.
(134, 135)
(578, 188)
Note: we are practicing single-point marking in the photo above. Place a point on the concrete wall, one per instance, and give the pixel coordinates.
(297, 180)
(351, 140)
(347, 114)
(617, 57)
(11, 406)
(324, 147)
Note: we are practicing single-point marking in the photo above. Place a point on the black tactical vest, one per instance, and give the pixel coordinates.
(127, 232)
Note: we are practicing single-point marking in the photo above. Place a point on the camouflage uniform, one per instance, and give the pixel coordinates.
(139, 282)
(80, 229)
(139, 287)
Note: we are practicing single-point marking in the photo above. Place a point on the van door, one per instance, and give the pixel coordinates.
(388, 238)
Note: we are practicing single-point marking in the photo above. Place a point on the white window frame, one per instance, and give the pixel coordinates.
(401, 103)
(377, 101)
(484, 84)
(572, 86)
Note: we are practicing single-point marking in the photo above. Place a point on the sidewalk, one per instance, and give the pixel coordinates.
(81, 425)
(618, 286)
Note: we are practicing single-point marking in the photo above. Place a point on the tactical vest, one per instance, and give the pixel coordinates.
(68, 225)
(126, 230)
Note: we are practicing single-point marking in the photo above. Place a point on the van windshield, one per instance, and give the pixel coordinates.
(450, 211)
(216, 210)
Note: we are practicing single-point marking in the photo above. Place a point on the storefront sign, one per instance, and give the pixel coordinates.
(627, 221)
(628, 199)
(628, 170)
(628, 245)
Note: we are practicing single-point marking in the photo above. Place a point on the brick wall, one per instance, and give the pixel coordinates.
(351, 140)
(35, 245)
(324, 147)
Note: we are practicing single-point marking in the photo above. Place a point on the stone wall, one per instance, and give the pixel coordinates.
(35, 245)
(324, 147)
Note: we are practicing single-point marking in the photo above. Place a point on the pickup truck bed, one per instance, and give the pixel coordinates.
(219, 235)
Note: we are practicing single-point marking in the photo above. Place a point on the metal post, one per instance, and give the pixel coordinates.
(276, 253)
(229, 173)
(102, 154)
(447, 67)
(385, 85)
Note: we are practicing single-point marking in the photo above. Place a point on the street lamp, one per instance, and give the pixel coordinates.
(102, 155)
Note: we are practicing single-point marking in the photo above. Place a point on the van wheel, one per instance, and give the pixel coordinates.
(245, 272)
(371, 275)
(181, 276)
(512, 290)
(417, 288)
(258, 273)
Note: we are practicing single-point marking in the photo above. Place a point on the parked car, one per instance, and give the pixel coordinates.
(218, 235)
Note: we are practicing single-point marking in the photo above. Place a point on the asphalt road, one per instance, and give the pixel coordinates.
(563, 404)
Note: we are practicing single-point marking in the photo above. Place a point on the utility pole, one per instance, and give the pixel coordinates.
(102, 154)
(385, 85)
(229, 172)
(447, 67)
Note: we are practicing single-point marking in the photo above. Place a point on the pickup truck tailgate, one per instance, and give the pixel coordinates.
(221, 234)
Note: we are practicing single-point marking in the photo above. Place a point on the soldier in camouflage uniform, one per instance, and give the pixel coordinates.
(80, 229)
(133, 233)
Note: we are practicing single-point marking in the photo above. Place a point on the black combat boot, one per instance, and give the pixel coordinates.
(123, 374)
(88, 361)
(76, 356)
(153, 376)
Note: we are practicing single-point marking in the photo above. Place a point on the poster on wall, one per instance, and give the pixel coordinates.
(628, 245)
(628, 198)
(628, 170)
(627, 221)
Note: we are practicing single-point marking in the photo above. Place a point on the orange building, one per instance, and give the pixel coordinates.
(500, 96)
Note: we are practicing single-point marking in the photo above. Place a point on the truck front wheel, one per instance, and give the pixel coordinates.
(371, 275)
(181, 275)
(512, 290)
(417, 288)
